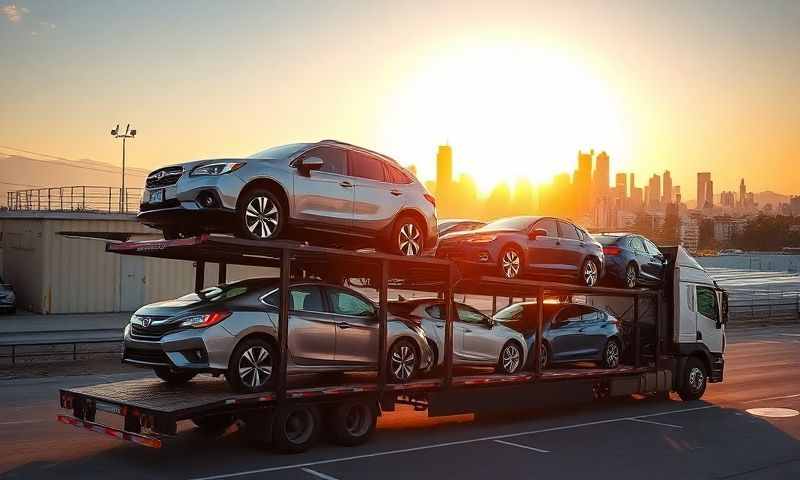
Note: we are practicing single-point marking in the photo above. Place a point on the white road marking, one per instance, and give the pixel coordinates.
(20, 422)
(790, 334)
(318, 474)
(447, 444)
(512, 444)
(782, 397)
(655, 423)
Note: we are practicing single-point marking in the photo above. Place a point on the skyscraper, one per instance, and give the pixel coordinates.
(653, 198)
(621, 186)
(601, 174)
(742, 194)
(444, 170)
(705, 190)
(667, 191)
(583, 181)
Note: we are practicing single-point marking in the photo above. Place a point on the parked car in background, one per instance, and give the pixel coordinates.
(477, 339)
(458, 225)
(8, 299)
(570, 332)
(517, 246)
(232, 329)
(632, 260)
(332, 192)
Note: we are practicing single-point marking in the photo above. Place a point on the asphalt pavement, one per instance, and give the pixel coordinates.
(723, 436)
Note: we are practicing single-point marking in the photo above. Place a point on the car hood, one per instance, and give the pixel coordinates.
(456, 236)
(170, 308)
(187, 166)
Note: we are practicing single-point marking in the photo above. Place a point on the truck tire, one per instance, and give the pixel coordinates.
(352, 422)
(694, 379)
(172, 377)
(295, 428)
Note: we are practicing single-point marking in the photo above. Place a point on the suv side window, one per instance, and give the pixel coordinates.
(549, 225)
(707, 303)
(366, 166)
(396, 175)
(567, 230)
(334, 160)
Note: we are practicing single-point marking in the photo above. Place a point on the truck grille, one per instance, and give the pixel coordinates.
(149, 356)
(164, 177)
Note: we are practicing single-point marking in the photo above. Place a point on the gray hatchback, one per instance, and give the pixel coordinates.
(232, 330)
(332, 192)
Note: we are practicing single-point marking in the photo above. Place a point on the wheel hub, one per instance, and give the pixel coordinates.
(409, 239)
(590, 273)
(255, 367)
(403, 362)
(510, 359)
(262, 217)
(510, 264)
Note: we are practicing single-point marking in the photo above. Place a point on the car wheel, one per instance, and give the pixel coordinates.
(695, 379)
(510, 359)
(353, 422)
(403, 361)
(511, 262)
(590, 273)
(173, 377)
(631, 276)
(544, 356)
(251, 365)
(611, 354)
(261, 215)
(407, 238)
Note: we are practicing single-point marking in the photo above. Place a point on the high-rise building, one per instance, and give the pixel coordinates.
(653, 197)
(727, 199)
(444, 170)
(705, 190)
(636, 199)
(602, 174)
(583, 181)
(676, 194)
(667, 191)
(621, 186)
(742, 193)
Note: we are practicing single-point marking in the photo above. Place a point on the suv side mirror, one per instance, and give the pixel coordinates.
(310, 163)
(538, 232)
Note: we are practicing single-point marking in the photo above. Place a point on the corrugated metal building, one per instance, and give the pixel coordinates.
(52, 273)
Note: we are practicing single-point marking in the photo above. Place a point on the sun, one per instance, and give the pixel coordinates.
(510, 111)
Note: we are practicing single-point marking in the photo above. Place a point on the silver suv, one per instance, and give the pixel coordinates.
(336, 193)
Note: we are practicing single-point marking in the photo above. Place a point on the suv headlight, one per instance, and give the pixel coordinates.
(216, 168)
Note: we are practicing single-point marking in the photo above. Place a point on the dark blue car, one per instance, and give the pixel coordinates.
(631, 260)
(571, 333)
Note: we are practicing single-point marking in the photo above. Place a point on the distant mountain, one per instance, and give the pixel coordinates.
(768, 196)
(22, 173)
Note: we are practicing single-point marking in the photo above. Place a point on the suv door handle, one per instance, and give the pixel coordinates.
(396, 193)
(345, 184)
(343, 325)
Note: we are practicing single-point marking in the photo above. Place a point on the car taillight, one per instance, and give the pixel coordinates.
(612, 250)
(430, 198)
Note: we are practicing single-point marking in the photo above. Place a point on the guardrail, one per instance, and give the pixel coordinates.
(77, 198)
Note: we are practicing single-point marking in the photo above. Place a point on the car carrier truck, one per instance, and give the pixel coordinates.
(675, 343)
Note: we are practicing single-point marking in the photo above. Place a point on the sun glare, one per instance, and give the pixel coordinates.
(508, 111)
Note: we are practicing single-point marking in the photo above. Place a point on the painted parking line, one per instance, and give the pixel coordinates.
(782, 397)
(447, 444)
(318, 474)
(512, 444)
(651, 422)
(21, 422)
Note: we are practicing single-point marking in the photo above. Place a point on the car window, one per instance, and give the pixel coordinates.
(366, 166)
(651, 247)
(469, 314)
(593, 316)
(511, 312)
(567, 230)
(707, 302)
(303, 298)
(396, 175)
(568, 314)
(549, 225)
(435, 311)
(334, 160)
(346, 303)
(637, 244)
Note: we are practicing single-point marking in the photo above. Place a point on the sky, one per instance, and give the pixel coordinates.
(517, 88)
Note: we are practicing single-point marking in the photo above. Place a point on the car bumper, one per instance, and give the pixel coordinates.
(188, 216)
(7, 307)
(203, 350)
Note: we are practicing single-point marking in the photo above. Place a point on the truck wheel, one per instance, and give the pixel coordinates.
(352, 422)
(172, 377)
(295, 428)
(403, 361)
(611, 354)
(694, 378)
(214, 424)
(510, 359)
(262, 215)
(251, 365)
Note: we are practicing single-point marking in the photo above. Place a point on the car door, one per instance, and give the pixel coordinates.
(377, 201)
(356, 327)
(542, 251)
(639, 251)
(312, 333)
(324, 198)
(654, 268)
(708, 318)
(436, 312)
(570, 252)
(479, 343)
(563, 334)
(591, 331)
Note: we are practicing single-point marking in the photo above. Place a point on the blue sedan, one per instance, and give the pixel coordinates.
(631, 260)
(571, 333)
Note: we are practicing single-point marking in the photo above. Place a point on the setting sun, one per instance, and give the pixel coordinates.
(512, 111)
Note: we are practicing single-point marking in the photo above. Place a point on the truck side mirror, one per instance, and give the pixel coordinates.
(724, 307)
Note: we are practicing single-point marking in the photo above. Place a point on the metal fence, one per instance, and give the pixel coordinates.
(79, 198)
(770, 305)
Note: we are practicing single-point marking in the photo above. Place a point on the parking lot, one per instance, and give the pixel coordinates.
(713, 438)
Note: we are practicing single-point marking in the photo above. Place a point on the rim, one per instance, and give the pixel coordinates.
(696, 378)
(590, 273)
(510, 264)
(409, 239)
(355, 422)
(255, 367)
(630, 276)
(403, 358)
(510, 358)
(261, 217)
(543, 357)
(612, 354)
(299, 426)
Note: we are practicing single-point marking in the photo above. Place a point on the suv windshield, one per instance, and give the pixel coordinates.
(512, 223)
(282, 151)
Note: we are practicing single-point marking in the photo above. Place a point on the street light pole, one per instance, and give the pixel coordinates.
(123, 195)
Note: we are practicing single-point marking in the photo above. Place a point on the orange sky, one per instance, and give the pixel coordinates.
(516, 87)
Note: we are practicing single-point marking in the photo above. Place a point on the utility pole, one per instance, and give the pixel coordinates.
(123, 196)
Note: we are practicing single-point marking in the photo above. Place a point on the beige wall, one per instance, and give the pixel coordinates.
(22, 260)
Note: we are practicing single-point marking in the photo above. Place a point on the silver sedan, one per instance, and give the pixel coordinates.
(477, 339)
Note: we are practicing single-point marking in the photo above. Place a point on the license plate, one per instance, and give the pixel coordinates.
(157, 196)
(107, 407)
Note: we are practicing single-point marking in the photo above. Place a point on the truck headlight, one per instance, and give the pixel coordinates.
(216, 168)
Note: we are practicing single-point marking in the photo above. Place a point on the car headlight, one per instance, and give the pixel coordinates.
(205, 319)
(482, 239)
(216, 168)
